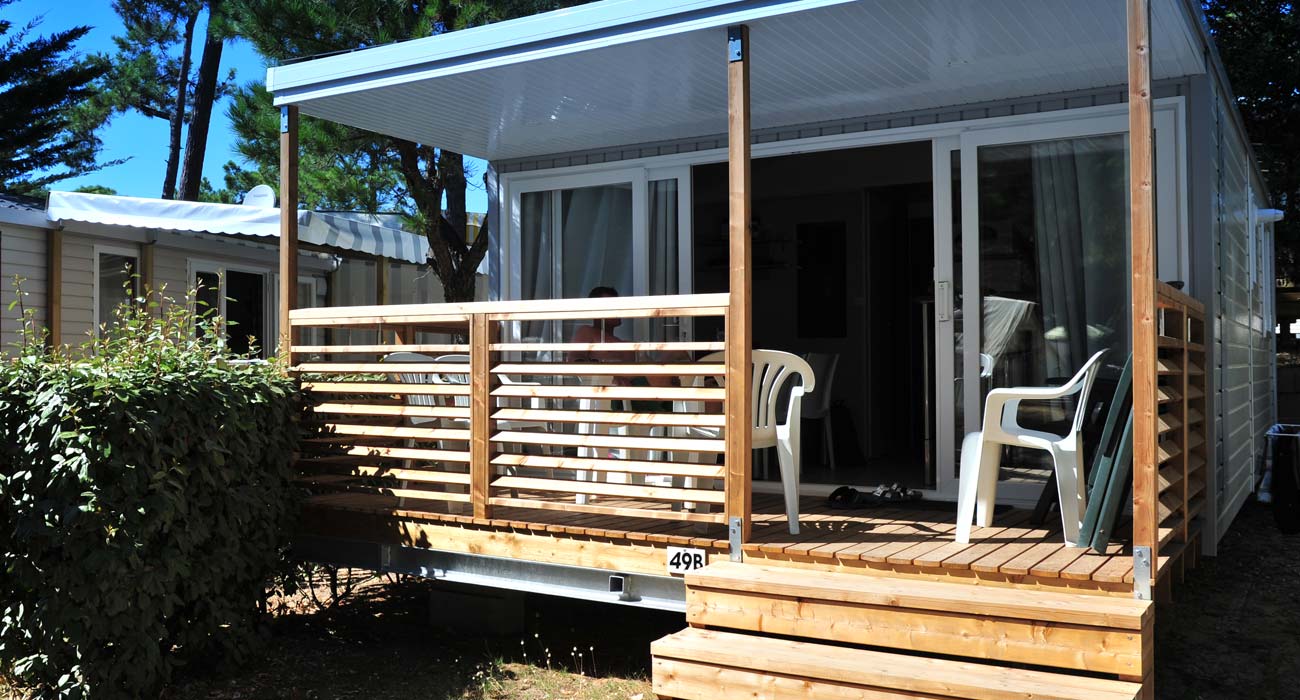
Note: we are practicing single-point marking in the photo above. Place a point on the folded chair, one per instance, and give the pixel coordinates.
(981, 452)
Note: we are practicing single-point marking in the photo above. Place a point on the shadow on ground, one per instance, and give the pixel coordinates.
(379, 643)
(1234, 628)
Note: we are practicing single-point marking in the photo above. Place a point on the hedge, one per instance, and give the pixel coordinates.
(145, 493)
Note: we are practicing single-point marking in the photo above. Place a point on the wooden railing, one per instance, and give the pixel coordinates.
(1181, 425)
(483, 418)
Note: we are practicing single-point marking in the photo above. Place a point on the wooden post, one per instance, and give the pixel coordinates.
(54, 288)
(1141, 232)
(288, 226)
(480, 423)
(739, 312)
(381, 280)
(148, 281)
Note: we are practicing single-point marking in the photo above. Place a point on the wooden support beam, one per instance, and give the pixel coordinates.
(288, 225)
(381, 280)
(739, 312)
(481, 380)
(54, 288)
(148, 279)
(1142, 260)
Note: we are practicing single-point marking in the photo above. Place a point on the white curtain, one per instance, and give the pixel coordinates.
(596, 239)
(1079, 226)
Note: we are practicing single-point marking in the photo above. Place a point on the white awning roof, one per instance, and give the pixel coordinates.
(623, 72)
(345, 231)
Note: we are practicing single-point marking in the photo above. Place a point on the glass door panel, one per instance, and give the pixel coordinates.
(1050, 282)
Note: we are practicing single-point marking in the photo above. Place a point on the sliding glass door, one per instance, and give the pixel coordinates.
(1039, 271)
(621, 230)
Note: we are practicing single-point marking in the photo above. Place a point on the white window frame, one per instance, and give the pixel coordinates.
(111, 249)
(270, 293)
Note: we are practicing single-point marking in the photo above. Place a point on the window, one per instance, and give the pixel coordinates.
(241, 297)
(116, 283)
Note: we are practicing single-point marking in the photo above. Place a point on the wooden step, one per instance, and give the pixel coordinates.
(698, 664)
(1066, 630)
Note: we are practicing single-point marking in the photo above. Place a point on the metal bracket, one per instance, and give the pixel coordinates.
(735, 43)
(734, 527)
(284, 119)
(385, 556)
(1142, 573)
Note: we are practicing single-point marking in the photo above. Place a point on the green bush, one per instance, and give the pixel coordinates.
(145, 494)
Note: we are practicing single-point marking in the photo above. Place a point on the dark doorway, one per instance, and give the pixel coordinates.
(246, 312)
(843, 257)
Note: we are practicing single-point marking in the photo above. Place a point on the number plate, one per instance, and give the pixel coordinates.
(683, 560)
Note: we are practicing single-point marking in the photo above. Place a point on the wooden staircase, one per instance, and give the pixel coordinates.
(780, 633)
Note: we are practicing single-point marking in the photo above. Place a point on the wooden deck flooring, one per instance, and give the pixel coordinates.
(911, 540)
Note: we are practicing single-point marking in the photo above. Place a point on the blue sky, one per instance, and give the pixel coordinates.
(141, 139)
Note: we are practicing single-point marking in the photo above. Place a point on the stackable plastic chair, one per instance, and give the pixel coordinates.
(981, 452)
(771, 370)
(823, 366)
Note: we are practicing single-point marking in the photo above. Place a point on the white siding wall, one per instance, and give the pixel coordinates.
(78, 287)
(22, 254)
(1242, 332)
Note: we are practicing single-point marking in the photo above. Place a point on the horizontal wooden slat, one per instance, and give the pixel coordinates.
(410, 453)
(423, 476)
(657, 513)
(377, 349)
(1165, 341)
(426, 495)
(1165, 367)
(1165, 394)
(861, 589)
(683, 346)
(598, 368)
(1166, 451)
(597, 488)
(666, 312)
(667, 393)
(1170, 529)
(383, 319)
(1195, 392)
(1194, 417)
(628, 466)
(699, 663)
(1166, 423)
(390, 388)
(384, 367)
(704, 420)
(1194, 369)
(612, 441)
(1170, 503)
(373, 409)
(610, 305)
(399, 431)
(1170, 476)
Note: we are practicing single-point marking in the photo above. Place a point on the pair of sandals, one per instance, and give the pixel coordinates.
(849, 497)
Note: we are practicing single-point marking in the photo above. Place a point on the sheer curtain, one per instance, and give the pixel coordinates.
(1080, 226)
(663, 252)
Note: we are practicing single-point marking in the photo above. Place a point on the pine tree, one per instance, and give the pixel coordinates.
(152, 73)
(46, 133)
(339, 164)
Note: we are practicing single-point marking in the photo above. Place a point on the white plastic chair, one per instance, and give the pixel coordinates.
(823, 366)
(771, 370)
(981, 452)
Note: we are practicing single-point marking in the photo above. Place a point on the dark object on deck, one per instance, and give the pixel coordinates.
(1108, 479)
(1286, 472)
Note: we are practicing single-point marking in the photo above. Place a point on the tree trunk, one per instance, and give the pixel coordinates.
(178, 114)
(452, 168)
(205, 94)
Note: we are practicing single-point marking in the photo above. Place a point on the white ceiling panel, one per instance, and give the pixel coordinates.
(615, 73)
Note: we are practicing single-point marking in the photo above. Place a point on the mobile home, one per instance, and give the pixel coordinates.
(942, 195)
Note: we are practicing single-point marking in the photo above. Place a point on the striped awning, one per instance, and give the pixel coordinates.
(350, 232)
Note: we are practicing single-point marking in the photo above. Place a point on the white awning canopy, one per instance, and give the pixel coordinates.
(345, 231)
(624, 72)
